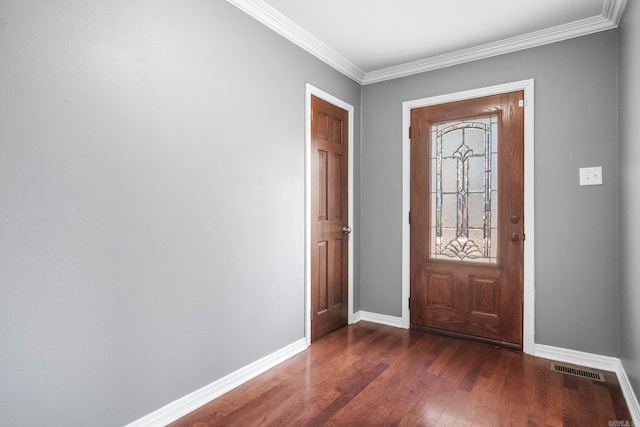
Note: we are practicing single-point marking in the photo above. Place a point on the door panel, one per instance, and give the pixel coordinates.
(329, 213)
(322, 167)
(440, 290)
(467, 216)
(322, 302)
(485, 296)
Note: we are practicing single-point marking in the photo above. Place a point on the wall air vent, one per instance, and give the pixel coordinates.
(578, 372)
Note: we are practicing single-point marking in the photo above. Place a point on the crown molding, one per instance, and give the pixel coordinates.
(613, 9)
(282, 25)
(537, 38)
(610, 18)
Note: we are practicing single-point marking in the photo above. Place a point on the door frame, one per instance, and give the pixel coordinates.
(528, 318)
(309, 91)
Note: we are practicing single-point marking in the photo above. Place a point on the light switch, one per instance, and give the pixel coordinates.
(591, 176)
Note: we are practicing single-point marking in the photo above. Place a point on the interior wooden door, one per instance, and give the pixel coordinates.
(329, 215)
(467, 218)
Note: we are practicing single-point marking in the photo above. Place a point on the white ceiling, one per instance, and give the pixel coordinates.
(374, 40)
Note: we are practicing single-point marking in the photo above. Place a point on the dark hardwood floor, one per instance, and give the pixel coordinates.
(373, 375)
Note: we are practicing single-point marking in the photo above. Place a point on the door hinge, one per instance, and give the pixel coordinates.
(409, 217)
(409, 132)
(522, 103)
(409, 303)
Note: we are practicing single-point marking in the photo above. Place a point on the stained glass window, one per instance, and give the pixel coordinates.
(464, 196)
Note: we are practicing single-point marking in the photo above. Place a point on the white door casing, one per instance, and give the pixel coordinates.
(528, 333)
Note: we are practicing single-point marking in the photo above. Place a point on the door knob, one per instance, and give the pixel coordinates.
(346, 229)
(515, 237)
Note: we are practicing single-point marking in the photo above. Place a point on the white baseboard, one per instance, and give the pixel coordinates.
(588, 360)
(189, 403)
(629, 394)
(595, 361)
(383, 319)
(181, 407)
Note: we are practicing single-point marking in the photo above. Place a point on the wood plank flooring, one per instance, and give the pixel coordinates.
(373, 375)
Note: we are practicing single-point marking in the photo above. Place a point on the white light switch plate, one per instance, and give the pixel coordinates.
(591, 176)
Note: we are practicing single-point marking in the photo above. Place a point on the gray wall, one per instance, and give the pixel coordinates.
(151, 202)
(576, 227)
(629, 194)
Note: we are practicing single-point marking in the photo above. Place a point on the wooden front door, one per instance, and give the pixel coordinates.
(467, 218)
(329, 216)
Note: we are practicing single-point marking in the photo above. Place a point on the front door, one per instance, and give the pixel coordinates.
(466, 221)
(329, 216)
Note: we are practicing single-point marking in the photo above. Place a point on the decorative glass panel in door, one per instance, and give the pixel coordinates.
(464, 190)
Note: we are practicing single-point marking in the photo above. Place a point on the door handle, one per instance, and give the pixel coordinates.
(515, 237)
(346, 230)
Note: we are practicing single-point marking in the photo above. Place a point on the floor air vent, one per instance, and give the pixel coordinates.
(582, 373)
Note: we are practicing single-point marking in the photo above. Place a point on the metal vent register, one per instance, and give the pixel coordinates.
(582, 373)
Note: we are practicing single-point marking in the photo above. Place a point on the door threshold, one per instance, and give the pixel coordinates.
(459, 335)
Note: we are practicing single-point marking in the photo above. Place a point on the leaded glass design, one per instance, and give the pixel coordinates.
(464, 186)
